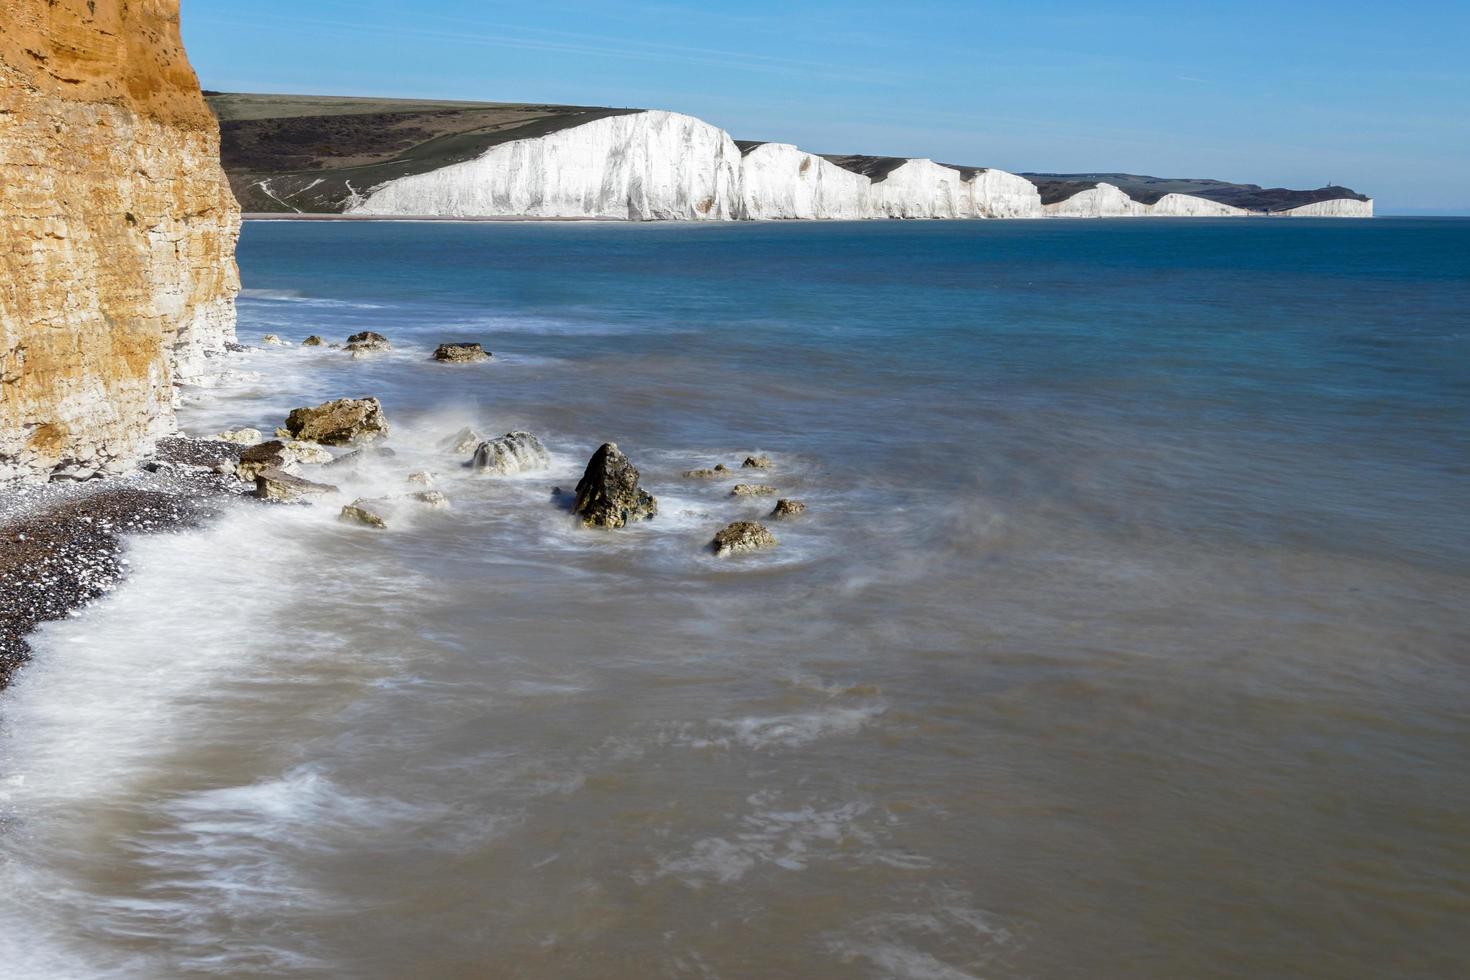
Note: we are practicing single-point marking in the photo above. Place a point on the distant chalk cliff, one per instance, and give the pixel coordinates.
(117, 233)
(395, 158)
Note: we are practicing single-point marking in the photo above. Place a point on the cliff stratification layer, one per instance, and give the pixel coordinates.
(117, 233)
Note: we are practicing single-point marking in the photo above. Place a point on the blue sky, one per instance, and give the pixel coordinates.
(1374, 96)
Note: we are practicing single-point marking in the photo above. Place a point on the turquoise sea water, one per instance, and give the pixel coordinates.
(1125, 634)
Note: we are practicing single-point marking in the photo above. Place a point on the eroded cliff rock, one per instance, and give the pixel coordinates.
(1190, 206)
(784, 182)
(1102, 201)
(641, 166)
(1338, 208)
(117, 233)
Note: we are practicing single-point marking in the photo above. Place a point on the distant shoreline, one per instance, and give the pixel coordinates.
(302, 216)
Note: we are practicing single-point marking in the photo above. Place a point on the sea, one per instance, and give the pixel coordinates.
(1126, 632)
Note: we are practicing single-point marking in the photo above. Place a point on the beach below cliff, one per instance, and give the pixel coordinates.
(62, 545)
(1125, 613)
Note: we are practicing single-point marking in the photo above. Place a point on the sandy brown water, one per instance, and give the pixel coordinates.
(1101, 651)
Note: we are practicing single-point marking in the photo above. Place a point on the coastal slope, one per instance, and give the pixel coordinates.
(117, 272)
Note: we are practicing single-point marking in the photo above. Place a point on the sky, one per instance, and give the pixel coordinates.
(1291, 93)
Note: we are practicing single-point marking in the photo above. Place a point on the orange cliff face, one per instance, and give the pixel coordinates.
(117, 233)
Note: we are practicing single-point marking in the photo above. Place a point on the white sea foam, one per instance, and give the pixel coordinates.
(788, 839)
(903, 945)
(784, 731)
(295, 296)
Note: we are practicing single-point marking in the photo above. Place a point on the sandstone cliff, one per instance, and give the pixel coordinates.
(117, 232)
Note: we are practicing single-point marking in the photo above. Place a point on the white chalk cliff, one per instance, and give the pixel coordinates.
(1345, 207)
(641, 166)
(654, 165)
(1102, 201)
(783, 182)
(922, 189)
(998, 194)
(1190, 206)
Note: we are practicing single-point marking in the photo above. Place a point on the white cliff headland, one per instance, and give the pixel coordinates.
(496, 160)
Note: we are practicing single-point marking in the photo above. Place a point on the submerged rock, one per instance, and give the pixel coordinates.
(756, 463)
(262, 456)
(788, 508)
(460, 353)
(432, 499)
(241, 437)
(608, 494)
(352, 459)
(284, 488)
(272, 340)
(702, 474)
(363, 511)
(337, 423)
(753, 490)
(463, 441)
(741, 537)
(514, 452)
(422, 478)
(368, 341)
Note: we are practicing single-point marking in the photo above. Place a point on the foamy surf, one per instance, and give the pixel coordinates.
(979, 713)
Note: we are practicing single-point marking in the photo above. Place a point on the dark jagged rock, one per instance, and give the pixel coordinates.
(312, 341)
(368, 341)
(608, 494)
(753, 490)
(338, 423)
(757, 463)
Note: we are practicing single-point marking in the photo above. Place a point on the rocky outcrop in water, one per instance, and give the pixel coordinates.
(366, 512)
(368, 342)
(117, 233)
(753, 490)
(463, 441)
(514, 452)
(788, 508)
(742, 537)
(460, 353)
(338, 423)
(608, 494)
